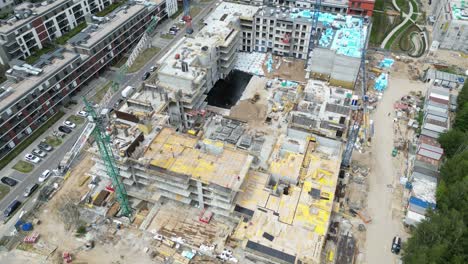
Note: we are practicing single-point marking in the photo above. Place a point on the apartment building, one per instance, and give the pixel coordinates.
(171, 6)
(5, 4)
(33, 93)
(282, 32)
(34, 25)
(192, 67)
(361, 7)
(331, 6)
(450, 28)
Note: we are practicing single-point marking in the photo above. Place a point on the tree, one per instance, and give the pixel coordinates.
(463, 96)
(452, 141)
(461, 121)
(442, 238)
(455, 169)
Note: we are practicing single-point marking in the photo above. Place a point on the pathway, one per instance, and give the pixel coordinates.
(395, 29)
(383, 205)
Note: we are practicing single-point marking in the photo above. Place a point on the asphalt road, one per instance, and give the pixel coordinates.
(51, 161)
(53, 158)
(135, 79)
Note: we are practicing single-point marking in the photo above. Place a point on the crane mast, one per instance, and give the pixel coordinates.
(359, 113)
(105, 150)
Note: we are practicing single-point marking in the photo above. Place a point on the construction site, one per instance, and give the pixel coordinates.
(167, 177)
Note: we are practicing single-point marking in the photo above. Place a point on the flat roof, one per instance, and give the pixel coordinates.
(178, 153)
(283, 216)
(343, 34)
(36, 10)
(218, 29)
(27, 84)
(96, 32)
(459, 9)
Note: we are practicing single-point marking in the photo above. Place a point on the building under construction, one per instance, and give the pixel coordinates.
(265, 182)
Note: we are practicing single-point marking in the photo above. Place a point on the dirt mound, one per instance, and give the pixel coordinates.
(248, 112)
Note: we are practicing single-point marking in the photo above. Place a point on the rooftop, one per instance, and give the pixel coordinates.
(26, 11)
(207, 161)
(104, 26)
(28, 80)
(343, 34)
(278, 215)
(459, 9)
(198, 51)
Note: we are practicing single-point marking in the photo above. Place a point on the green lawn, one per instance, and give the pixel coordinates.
(143, 58)
(76, 119)
(167, 36)
(97, 98)
(65, 37)
(110, 8)
(194, 11)
(38, 53)
(4, 190)
(23, 145)
(23, 166)
(381, 23)
(53, 141)
(121, 62)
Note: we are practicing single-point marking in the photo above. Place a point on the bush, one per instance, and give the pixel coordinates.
(36, 54)
(65, 37)
(81, 230)
(109, 9)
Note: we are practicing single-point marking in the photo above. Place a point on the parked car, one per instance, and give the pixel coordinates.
(45, 147)
(174, 28)
(146, 75)
(69, 124)
(44, 176)
(82, 113)
(182, 21)
(32, 158)
(396, 245)
(65, 129)
(30, 189)
(9, 181)
(11, 208)
(153, 68)
(172, 32)
(39, 153)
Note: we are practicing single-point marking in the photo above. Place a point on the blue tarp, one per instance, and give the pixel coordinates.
(27, 227)
(381, 82)
(421, 203)
(188, 254)
(269, 63)
(386, 63)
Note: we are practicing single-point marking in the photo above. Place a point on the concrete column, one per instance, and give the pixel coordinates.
(200, 194)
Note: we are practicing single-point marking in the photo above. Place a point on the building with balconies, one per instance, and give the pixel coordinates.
(34, 93)
(35, 25)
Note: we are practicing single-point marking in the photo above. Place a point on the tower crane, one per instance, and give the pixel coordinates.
(140, 47)
(100, 135)
(359, 114)
(105, 149)
(314, 27)
(187, 18)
